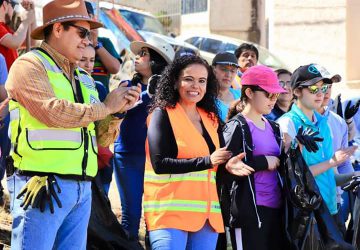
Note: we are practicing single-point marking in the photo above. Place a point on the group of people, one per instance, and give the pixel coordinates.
(199, 149)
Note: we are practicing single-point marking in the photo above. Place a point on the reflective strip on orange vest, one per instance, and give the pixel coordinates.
(192, 176)
(175, 205)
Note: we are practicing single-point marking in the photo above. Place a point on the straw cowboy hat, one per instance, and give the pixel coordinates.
(156, 43)
(59, 11)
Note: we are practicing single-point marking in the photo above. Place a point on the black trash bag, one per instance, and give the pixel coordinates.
(104, 230)
(308, 222)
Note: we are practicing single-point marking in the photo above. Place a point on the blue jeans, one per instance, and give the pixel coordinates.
(176, 239)
(4, 145)
(65, 229)
(129, 175)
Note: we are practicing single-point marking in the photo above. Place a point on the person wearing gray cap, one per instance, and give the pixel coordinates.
(309, 84)
(225, 66)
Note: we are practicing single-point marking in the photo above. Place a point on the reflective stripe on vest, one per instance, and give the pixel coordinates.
(192, 176)
(175, 205)
(48, 66)
(183, 201)
(39, 148)
(181, 205)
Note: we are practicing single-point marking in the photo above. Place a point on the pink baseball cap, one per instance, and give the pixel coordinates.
(264, 77)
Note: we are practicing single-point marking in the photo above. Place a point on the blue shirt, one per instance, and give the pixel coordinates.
(3, 70)
(133, 129)
(326, 180)
(223, 107)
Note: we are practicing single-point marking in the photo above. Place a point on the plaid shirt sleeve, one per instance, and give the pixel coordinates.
(29, 85)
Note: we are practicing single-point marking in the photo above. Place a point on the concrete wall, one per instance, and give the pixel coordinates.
(310, 31)
(353, 42)
(230, 18)
(195, 23)
(315, 31)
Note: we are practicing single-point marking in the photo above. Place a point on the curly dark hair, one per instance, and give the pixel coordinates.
(167, 96)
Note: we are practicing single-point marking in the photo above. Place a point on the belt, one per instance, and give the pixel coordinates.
(63, 176)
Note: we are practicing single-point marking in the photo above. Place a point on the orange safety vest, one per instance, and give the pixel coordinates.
(183, 201)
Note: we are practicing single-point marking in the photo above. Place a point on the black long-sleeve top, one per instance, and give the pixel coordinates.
(163, 148)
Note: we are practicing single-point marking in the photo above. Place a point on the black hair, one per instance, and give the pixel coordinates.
(239, 105)
(246, 46)
(48, 29)
(158, 63)
(282, 71)
(167, 95)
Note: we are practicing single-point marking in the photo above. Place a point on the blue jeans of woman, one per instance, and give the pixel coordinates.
(129, 175)
(65, 229)
(176, 239)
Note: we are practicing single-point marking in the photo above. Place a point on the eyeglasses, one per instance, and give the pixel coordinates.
(283, 84)
(13, 4)
(83, 32)
(313, 89)
(143, 53)
(268, 95)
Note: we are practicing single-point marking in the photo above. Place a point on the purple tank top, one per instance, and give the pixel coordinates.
(267, 188)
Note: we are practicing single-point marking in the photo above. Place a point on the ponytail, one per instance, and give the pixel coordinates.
(239, 105)
(236, 107)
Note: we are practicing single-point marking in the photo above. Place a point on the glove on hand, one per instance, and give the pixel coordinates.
(350, 111)
(39, 190)
(308, 139)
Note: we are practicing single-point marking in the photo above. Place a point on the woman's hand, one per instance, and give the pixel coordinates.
(342, 155)
(220, 156)
(237, 167)
(273, 162)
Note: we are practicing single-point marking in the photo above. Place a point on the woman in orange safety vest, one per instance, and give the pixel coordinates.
(183, 151)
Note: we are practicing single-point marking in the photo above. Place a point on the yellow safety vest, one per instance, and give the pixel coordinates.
(64, 151)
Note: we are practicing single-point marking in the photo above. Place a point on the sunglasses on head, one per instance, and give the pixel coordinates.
(313, 89)
(83, 32)
(267, 94)
(143, 53)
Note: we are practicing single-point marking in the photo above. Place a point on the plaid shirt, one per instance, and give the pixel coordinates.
(29, 85)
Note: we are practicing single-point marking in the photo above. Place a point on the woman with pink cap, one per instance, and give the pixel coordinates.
(250, 188)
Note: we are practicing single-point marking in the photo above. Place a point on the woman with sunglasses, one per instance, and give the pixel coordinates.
(309, 84)
(151, 58)
(285, 100)
(251, 205)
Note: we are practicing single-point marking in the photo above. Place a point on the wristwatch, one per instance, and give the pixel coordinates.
(98, 45)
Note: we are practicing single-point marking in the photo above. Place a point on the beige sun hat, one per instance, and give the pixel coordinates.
(59, 11)
(156, 43)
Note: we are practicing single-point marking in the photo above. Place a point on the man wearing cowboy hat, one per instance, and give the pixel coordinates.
(53, 110)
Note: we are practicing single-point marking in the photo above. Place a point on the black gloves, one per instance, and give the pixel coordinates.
(38, 191)
(350, 111)
(308, 140)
